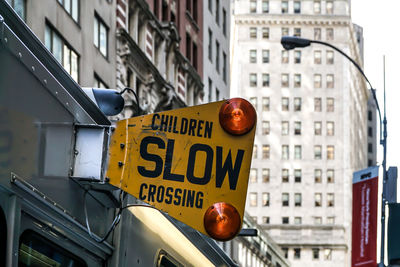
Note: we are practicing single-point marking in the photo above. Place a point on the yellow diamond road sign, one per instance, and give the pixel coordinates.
(181, 161)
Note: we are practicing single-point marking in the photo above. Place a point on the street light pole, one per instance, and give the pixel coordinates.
(291, 42)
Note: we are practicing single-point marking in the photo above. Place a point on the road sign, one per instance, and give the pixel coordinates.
(183, 162)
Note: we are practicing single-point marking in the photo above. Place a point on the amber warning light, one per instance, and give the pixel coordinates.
(237, 116)
(222, 221)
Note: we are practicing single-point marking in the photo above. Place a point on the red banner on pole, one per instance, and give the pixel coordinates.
(364, 226)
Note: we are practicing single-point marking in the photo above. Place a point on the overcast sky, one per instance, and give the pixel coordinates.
(380, 21)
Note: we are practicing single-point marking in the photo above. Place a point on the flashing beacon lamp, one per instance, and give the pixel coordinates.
(222, 220)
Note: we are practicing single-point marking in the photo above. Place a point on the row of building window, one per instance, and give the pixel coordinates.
(217, 55)
(265, 8)
(216, 9)
(253, 200)
(266, 104)
(72, 8)
(298, 220)
(330, 128)
(285, 31)
(285, 77)
(297, 175)
(327, 253)
(330, 152)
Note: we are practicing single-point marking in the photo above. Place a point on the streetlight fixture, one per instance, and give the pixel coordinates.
(291, 42)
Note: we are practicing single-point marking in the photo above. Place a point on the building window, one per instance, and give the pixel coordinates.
(297, 32)
(209, 90)
(265, 56)
(224, 21)
(317, 7)
(297, 175)
(265, 199)
(330, 104)
(253, 56)
(329, 34)
(285, 220)
(317, 57)
(330, 199)
(297, 152)
(253, 79)
(297, 199)
(285, 80)
(328, 254)
(330, 152)
(317, 104)
(253, 175)
(19, 7)
(285, 56)
(318, 220)
(297, 7)
(224, 71)
(285, 199)
(330, 128)
(265, 220)
(253, 33)
(253, 101)
(297, 80)
(210, 6)
(285, 152)
(265, 6)
(62, 51)
(297, 104)
(297, 254)
(217, 11)
(297, 220)
(265, 33)
(254, 151)
(369, 147)
(369, 115)
(317, 199)
(265, 151)
(285, 104)
(317, 80)
(317, 34)
(315, 253)
(297, 56)
(329, 57)
(100, 35)
(370, 131)
(317, 152)
(71, 6)
(330, 176)
(265, 80)
(297, 128)
(285, 252)
(285, 31)
(253, 199)
(285, 175)
(253, 6)
(265, 175)
(285, 127)
(317, 128)
(317, 176)
(265, 127)
(98, 82)
(330, 83)
(285, 7)
(329, 7)
(265, 104)
(210, 38)
(330, 220)
(217, 56)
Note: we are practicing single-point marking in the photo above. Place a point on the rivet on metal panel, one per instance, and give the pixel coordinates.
(45, 81)
(33, 68)
(120, 163)
(5, 39)
(122, 145)
(56, 93)
(19, 54)
(66, 103)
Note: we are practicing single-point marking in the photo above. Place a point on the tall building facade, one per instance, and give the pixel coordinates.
(312, 123)
(216, 49)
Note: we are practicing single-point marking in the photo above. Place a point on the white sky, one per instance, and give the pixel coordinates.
(380, 21)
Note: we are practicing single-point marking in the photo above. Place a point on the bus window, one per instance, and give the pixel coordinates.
(165, 260)
(36, 251)
(3, 238)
